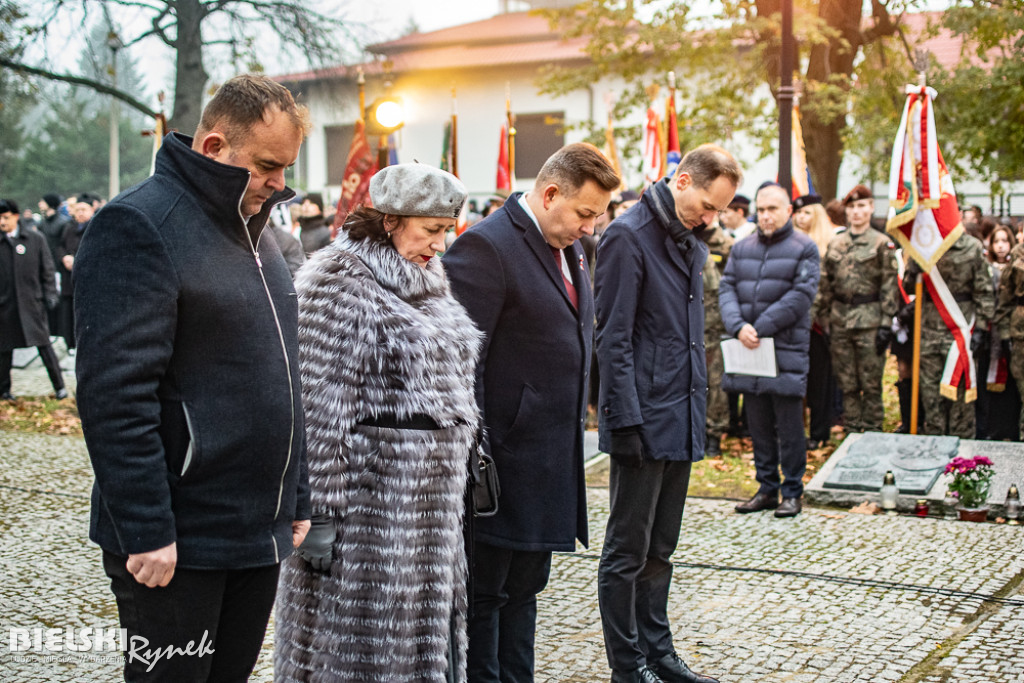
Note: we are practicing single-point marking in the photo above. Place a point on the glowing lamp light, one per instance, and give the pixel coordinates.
(389, 114)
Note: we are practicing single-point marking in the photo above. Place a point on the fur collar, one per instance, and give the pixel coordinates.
(399, 275)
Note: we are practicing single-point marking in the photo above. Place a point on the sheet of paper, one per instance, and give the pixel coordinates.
(739, 360)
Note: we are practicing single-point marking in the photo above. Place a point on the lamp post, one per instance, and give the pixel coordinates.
(383, 117)
(114, 188)
(786, 93)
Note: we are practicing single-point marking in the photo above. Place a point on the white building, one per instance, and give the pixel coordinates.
(484, 61)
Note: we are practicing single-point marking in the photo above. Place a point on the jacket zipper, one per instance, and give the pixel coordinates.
(287, 365)
(191, 440)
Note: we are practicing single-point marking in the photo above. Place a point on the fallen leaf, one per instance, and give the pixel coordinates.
(867, 508)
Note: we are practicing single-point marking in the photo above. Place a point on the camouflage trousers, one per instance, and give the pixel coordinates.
(858, 371)
(1017, 369)
(941, 415)
(718, 402)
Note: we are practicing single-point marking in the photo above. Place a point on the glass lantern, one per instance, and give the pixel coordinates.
(888, 494)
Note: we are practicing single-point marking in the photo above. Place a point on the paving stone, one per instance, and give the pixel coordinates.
(747, 602)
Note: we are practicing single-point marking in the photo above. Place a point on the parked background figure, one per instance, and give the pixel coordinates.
(315, 229)
(51, 225)
(810, 218)
(81, 212)
(388, 358)
(523, 278)
(965, 271)
(27, 290)
(858, 298)
(767, 291)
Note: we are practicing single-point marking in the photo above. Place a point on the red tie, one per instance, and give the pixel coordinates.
(568, 283)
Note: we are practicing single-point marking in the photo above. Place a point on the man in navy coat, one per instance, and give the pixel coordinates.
(649, 294)
(523, 279)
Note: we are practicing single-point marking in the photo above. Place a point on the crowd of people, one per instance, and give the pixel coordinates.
(311, 423)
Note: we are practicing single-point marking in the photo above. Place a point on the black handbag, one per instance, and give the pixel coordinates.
(486, 488)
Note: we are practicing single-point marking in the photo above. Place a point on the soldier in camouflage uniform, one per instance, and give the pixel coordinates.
(966, 273)
(1010, 316)
(858, 297)
(719, 245)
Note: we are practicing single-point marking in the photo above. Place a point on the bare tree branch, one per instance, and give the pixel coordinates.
(98, 86)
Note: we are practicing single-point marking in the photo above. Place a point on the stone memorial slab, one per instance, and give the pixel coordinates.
(916, 461)
(1007, 460)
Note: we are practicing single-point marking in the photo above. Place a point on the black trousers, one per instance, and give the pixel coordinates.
(227, 610)
(821, 387)
(50, 362)
(777, 429)
(503, 616)
(635, 572)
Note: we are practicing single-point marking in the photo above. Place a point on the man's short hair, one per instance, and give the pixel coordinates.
(573, 165)
(708, 163)
(244, 100)
(778, 189)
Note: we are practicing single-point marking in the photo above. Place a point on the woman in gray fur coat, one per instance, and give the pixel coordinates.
(378, 590)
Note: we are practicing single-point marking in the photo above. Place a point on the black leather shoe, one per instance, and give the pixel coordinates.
(790, 508)
(814, 444)
(671, 669)
(62, 394)
(641, 675)
(713, 447)
(7, 396)
(762, 501)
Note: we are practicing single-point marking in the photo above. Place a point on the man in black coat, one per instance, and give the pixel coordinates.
(188, 389)
(27, 290)
(649, 295)
(522, 276)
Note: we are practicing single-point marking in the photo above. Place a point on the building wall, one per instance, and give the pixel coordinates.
(481, 110)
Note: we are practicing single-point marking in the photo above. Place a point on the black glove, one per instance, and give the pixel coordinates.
(1006, 348)
(906, 315)
(317, 548)
(52, 303)
(980, 342)
(882, 339)
(627, 447)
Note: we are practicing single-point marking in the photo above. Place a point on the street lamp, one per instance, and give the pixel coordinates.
(114, 188)
(786, 98)
(383, 117)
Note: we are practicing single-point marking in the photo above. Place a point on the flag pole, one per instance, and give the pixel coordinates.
(511, 135)
(455, 135)
(915, 368)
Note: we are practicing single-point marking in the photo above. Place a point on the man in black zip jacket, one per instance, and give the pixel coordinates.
(188, 389)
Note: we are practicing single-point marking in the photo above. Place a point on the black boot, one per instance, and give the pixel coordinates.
(904, 390)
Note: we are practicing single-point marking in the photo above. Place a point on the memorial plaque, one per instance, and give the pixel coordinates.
(916, 462)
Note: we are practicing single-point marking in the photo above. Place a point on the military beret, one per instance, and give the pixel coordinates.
(859, 192)
(417, 190)
(805, 200)
(739, 200)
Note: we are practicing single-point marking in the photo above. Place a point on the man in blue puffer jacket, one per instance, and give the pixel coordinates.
(767, 290)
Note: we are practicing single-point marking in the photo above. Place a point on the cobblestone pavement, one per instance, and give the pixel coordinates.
(829, 596)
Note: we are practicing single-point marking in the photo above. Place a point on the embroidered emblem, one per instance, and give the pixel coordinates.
(581, 263)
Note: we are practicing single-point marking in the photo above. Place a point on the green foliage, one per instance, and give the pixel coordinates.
(980, 115)
(717, 72)
(66, 152)
(876, 104)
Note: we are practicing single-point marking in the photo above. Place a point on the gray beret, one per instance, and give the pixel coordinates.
(417, 190)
